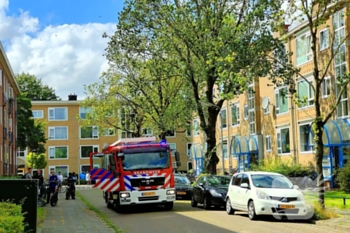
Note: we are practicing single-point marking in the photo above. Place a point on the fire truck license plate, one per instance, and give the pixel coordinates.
(181, 193)
(149, 194)
(286, 206)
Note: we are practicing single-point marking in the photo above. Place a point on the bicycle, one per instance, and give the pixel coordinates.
(42, 199)
(62, 188)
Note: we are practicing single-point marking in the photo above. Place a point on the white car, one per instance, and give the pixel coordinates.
(266, 193)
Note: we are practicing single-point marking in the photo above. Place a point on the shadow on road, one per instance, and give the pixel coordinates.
(273, 219)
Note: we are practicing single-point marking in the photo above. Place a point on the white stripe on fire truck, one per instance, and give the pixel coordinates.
(102, 183)
(110, 184)
(116, 187)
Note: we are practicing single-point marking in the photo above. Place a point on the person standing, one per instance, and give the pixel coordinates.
(87, 178)
(60, 180)
(53, 181)
(28, 175)
(71, 187)
(40, 177)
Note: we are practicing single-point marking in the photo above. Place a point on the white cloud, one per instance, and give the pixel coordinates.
(66, 57)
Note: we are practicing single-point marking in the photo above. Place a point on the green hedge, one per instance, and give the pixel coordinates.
(288, 169)
(11, 218)
(343, 178)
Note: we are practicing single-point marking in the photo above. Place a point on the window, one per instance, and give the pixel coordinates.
(84, 169)
(125, 134)
(246, 113)
(56, 114)
(63, 169)
(281, 100)
(86, 150)
(109, 132)
(303, 49)
(170, 133)
(245, 180)
(195, 127)
(283, 141)
(188, 132)
(238, 180)
(172, 148)
(324, 39)
(38, 113)
(251, 122)
(89, 132)
(21, 152)
(84, 111)
(326, 87)
(235, 114)
(224, 149)
(147, 132)
(306, 139)
(188, 149)
(58, 133)
(268, 142)
(306, 93)
(223, 118)
(58, 152)
(340, 60)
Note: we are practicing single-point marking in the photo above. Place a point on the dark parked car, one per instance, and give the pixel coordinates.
(183, 187)
(210, 191)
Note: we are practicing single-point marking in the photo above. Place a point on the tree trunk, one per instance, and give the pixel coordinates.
(319, 158)
(211, 158)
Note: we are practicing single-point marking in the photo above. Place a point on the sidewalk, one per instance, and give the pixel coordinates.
(342, 223)
(72, 216)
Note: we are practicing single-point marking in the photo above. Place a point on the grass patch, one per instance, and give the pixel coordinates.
(323, 214)
(99, 213)
(331, 199)
(41, 216)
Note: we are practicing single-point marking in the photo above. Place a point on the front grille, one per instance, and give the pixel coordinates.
(285, 211)
(284, 199)
(143, 181)
(154, 198)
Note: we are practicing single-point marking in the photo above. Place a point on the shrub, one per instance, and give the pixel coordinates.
(285, 168)
(11, 218)
(343, 178)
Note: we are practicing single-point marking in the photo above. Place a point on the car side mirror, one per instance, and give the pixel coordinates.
(296, 187)
(245, 186)
(200, 184)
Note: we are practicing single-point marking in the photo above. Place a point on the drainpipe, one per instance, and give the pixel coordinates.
(229, 141)
(222, 146)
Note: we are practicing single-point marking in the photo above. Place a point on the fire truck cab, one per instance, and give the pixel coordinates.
(135, 171)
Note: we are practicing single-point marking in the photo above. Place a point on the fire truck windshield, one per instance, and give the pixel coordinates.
(136, 160)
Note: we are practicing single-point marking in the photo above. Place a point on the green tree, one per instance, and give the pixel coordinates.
(211, 43)
(31, 133)
(36, 161)
(34, 89)
(316, 14)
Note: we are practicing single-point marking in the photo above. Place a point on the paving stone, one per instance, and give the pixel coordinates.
(72, 216)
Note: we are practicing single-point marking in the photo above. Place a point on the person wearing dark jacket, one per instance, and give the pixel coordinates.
(71, 187)
(40, 177)
(53, 181)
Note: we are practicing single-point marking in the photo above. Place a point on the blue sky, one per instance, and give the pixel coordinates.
(58, 41)
(56, 12)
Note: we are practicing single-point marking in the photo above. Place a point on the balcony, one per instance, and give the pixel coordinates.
(5, 133)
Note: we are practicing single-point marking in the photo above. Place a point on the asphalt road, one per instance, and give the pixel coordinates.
(185, 219)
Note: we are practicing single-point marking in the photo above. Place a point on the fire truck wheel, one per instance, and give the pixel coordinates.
(118, 208)
(169, 205)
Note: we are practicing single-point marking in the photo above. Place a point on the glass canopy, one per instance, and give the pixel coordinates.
(244, 145)
(336, 133)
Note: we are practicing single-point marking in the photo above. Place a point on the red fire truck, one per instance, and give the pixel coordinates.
(135, 171)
